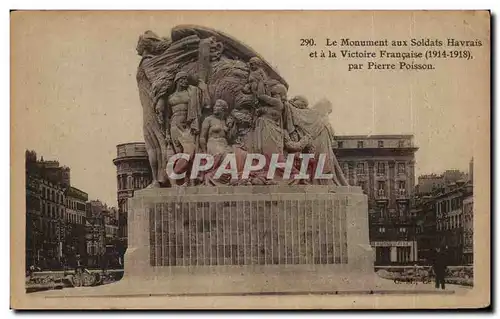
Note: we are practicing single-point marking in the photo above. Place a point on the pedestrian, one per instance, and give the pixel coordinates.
(439, 266)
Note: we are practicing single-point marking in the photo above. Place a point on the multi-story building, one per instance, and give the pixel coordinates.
(424, 211)
(430, 183)
(445, 218)
(95, 233)
(132, 173)
(34, 235)
(113, 256)
(449, 223)
(52, 171)
(45, 211)
(468, 228)
(384, 167)
(53, 223)
(75, 216)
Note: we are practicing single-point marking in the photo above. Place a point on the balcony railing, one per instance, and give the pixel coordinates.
(381, 195)
(402, 194)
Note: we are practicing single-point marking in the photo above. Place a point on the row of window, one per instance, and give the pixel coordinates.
(401, 230)
(52, 211)
(450, 222)
(381, 186)
(383, 255)
(94, 248)
(383, 212)
(381, 168)
(53, 195)
(361, 144)
(132, 181)
(75, 219)
(75, 205)
(448, 205)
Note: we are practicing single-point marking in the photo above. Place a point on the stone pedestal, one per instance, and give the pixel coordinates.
(248, 239)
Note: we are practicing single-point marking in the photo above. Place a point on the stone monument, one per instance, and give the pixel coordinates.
(203, 91)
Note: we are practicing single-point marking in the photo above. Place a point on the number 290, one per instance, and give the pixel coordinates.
(307, 42)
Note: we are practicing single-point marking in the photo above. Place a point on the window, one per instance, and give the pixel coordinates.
(381, 188)
(380, 144)
(381, 230)
(362, 184)
(360, 144)
(402, 185)
(402, 230)
(345, 169)
(360, 168)
(403, 254)
(381, 168)
(340, 144)
(383, 212)
(401, 168)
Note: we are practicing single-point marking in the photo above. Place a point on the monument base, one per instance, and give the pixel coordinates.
(249, 239)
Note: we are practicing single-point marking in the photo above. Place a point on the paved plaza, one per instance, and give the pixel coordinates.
(218, 286)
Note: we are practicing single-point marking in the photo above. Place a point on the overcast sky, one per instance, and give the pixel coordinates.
(75, 94)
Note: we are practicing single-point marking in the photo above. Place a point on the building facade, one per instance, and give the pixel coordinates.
(112, 243)
(468, 231)
(449, 224)
(445, 216)
(132, 173)
(95, 233)
(432, 183)
(34, 235)
(384, 167)
(445, 220)
(53, 224)
(75, 218)
(424, 210)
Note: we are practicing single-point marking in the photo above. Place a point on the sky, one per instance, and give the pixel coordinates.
(74, 93)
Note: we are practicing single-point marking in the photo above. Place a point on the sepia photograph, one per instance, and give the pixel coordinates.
(250, 159)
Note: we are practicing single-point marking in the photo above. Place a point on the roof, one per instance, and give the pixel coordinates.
(131, 143)
(381, 136)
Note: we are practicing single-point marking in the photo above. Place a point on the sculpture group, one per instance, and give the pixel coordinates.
(204, 92)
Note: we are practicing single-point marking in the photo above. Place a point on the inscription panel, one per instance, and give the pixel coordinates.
(264, 232)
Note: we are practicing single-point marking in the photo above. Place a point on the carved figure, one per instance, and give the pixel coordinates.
(302, 121)
(181, 77)
(269, 136)
(215, 130)
(148, 46)
(257, 78)
(184, 113)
